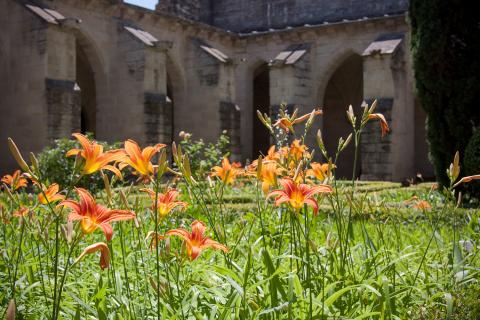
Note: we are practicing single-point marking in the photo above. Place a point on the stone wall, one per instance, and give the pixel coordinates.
(249, 15)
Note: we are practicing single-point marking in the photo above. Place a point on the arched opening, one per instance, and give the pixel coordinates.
(261, 102)
(85, 79)
(344, 88)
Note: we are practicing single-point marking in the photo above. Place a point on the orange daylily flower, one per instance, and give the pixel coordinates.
(22, 212)
(422, 205)
(166, 201)
(467, 179)
(51, 195)
(155, 238)
(93, 215)
(196, 241)
(140, 159)
(297, 151)
(104, 253)
(286, 123)
(271, 155)
(297, 195)
(268, 175)
(321, 171)
(15, 181)
(383, 123)
(227, 172)
(95, 158)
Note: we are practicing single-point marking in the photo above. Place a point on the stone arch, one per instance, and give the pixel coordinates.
(90, 79)
(343, 87)
(260, 101)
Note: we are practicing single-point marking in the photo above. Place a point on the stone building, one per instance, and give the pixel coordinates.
(205, 66)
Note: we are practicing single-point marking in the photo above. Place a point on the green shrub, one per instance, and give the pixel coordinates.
(204, 156)
(445, 46)
(57, 167)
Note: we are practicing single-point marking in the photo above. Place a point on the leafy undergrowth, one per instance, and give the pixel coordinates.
(379, 279)
(278, 239)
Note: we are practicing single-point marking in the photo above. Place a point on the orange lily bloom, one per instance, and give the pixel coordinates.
(320, 171)
(93, 215)
(15, 181)
(286, 124)
(297, 151)
(95, 158)
(51, 195)
(22, 212)
(227, 172)
(383, 123)
(140, 159)
(166, 201)
(104, 254)
(467, 179)
(196, 241)
(155, 238)
(268, 175)
(297, 195)
(422, 205)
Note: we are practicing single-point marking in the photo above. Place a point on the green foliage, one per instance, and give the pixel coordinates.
(58, 168)
(203, 156)
(445, 46)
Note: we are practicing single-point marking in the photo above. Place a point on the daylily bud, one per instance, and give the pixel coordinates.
(17, 155)
(310, 120)
(34, 162)
(347, 141)
(351, 115)
(104, 254)
(455, 167)
(186, 167)
(108, 190)
(78, 162)
(123, 197)
(320, 143)
(162, 162)
(153, 284)
(298, 170)
(10, 314)
(372, 107)
(295, 113)
(259, 167)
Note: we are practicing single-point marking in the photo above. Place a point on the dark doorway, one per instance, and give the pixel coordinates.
(261, 102)
(85, 79)
(344, 88)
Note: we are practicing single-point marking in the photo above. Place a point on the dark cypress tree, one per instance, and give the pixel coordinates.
(446, 60)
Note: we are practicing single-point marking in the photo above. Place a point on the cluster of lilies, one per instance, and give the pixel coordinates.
(92, 215)
(281, 173)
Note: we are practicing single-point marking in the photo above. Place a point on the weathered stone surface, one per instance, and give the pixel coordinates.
(131, 78)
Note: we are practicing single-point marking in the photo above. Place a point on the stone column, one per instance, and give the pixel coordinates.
(62, 94)
(390, 157)
(157, 109)
(291, 84)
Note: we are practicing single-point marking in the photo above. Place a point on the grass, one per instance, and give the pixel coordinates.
(256, 282)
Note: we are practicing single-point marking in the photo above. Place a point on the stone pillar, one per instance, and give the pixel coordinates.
(390, 157)
(62, 94)
(157, 109)
(291, 84)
